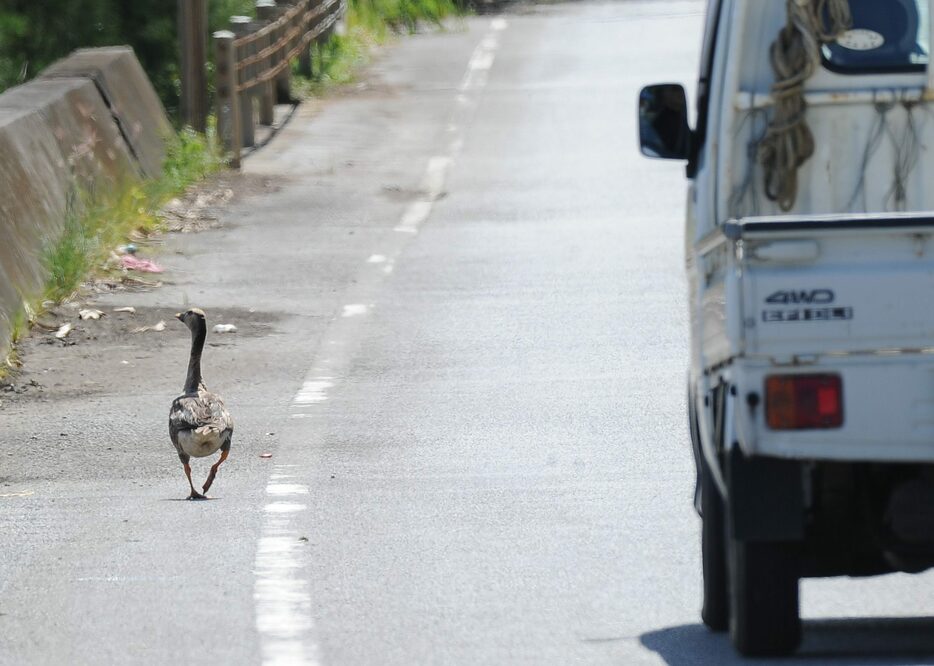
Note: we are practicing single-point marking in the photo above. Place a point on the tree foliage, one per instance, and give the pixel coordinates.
(33, 34)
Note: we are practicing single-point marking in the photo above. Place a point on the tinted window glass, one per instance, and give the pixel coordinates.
(887, 36)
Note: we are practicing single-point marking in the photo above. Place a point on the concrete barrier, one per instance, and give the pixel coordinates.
(130, 96)
(61, 136)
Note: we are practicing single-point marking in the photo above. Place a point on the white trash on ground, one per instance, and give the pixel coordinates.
(158, 328)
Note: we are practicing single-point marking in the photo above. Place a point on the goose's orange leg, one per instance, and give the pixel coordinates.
(207, 484)
(195, 495)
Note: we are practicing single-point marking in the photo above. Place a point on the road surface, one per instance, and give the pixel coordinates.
(462, 340)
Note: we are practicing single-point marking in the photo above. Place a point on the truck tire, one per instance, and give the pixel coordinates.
(764, 618)
(716, 609)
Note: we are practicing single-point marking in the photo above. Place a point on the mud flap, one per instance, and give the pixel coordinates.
(766, 498)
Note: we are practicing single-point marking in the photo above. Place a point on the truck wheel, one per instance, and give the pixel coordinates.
(764, 617)
(716, 610)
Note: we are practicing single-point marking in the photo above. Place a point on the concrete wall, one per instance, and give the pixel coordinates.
(128, 94)
(91, 122)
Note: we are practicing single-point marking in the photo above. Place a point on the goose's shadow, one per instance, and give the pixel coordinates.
(869, 641)
(185, 499)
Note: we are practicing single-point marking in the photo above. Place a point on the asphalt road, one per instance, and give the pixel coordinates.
(462, 338)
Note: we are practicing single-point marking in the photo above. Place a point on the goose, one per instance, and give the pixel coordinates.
(199, 423)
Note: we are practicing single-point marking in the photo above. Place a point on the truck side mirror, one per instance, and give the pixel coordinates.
(663, 122)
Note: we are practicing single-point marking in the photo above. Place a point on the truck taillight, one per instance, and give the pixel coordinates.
(800, 402)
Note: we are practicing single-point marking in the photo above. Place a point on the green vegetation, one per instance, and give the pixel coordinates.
(398, 15)
(35, 34)
(334, 62)
(96, 225)
(368, 23)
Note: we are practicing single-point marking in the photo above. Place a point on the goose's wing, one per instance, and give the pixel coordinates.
(204, 411)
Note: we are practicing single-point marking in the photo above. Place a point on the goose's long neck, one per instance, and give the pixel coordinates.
(193, 380)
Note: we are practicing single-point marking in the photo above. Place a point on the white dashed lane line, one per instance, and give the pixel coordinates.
(284, 607)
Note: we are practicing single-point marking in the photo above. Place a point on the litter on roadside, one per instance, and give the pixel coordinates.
(63, 331)
(134, 263)
(90, 313)
(265, 455)
(128, 309)
(225, 328)
(158, 328)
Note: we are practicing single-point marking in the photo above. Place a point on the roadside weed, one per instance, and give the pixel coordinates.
(96, 223)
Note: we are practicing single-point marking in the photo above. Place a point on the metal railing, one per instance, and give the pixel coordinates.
(253, 63)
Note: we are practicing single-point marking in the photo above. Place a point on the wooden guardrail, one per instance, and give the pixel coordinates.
(253, 63)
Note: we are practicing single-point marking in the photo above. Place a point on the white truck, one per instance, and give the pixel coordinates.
(810, 256)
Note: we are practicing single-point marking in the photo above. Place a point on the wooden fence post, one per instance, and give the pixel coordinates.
(228, 102)
(266, 12)
(192, 35)
(284, 80)
(240, 26)
(304, 56)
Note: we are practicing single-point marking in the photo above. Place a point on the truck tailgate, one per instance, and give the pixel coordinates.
(835, 285)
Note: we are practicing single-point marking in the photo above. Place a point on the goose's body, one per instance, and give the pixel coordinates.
(212, 424)
(199, 423)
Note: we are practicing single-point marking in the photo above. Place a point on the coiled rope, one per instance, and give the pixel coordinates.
(795, 55)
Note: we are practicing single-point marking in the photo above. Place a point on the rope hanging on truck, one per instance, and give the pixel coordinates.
(795, 55)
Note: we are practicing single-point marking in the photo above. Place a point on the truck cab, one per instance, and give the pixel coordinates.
(809, 247)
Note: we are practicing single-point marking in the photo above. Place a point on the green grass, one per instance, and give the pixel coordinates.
(398, 15)
(335, 62)
(95, 225)
(368, 23)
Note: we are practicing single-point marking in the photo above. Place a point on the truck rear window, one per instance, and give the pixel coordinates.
(889, 36)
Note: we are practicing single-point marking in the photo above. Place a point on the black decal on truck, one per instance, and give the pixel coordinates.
(807, 314)
(801, 296)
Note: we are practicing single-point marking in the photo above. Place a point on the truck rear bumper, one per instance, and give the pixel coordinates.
(888, 409)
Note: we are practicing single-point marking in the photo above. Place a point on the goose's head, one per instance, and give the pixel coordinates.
(193, 318)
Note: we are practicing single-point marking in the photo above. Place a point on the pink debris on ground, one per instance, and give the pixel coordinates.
(265, 455)
(133, 263)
